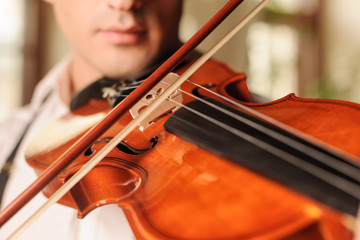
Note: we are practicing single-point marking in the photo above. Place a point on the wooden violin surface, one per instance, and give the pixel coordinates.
(172, 189)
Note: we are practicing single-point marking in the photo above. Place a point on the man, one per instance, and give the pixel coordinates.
(119, 39)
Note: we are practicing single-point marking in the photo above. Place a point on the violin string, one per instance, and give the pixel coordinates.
(325, 159)
(317, 155)
(127, 87)
(273, 121)
(336, 181)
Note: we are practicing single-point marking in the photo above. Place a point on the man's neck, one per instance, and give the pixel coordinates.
(81, 74)
(75, 77)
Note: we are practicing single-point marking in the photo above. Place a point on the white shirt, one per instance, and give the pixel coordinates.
(60, 222)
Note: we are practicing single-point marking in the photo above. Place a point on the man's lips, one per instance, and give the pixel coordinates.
(123, 36)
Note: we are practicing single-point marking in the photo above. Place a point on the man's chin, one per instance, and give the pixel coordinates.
(120, 72)
(126, 67)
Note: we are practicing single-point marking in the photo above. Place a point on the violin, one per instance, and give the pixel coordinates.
(185, 173)
(158, 185)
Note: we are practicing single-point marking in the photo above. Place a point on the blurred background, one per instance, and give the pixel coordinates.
(309, 47)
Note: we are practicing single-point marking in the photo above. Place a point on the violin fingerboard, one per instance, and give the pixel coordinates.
(225, 131)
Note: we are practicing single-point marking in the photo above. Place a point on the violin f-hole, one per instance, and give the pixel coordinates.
(123, 147)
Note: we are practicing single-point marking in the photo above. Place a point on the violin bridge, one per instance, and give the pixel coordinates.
(165, 108)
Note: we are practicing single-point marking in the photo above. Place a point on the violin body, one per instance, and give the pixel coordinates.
(172, 189)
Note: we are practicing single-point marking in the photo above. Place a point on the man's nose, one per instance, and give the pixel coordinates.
(125, 5)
